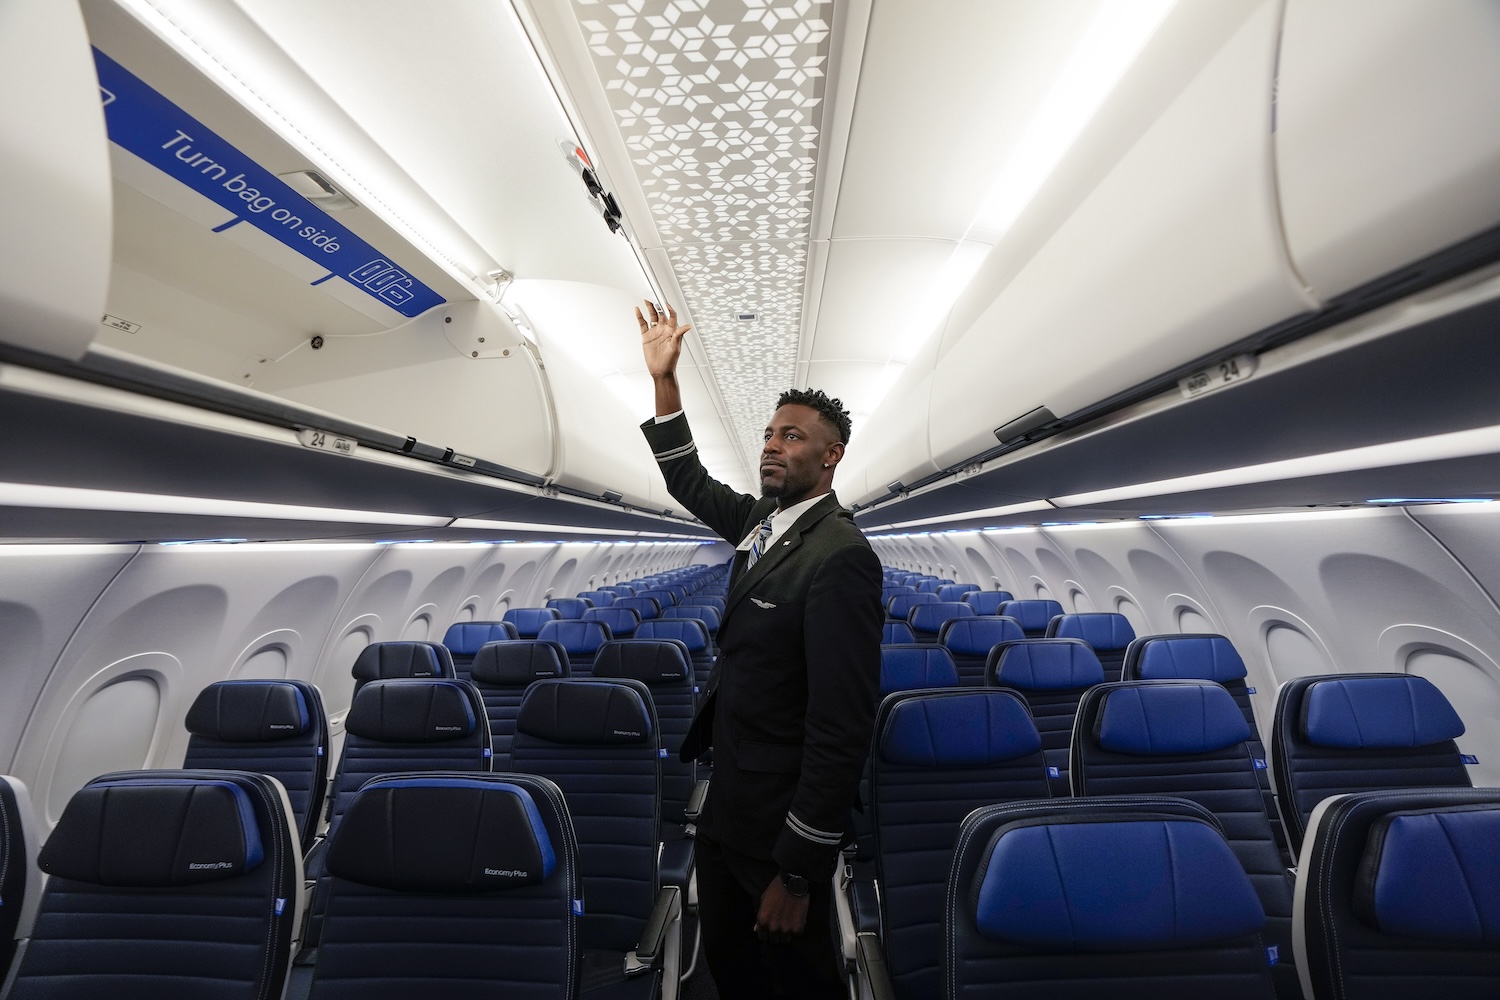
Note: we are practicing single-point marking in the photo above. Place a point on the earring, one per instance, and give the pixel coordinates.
(825, 465)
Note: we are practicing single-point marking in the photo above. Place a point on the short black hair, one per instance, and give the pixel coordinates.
(831, 410)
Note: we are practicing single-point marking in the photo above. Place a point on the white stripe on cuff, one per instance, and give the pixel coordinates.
(806, 832)
(679, 452)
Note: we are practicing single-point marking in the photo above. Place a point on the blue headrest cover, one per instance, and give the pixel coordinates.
(1433, 874)
(987, 602)
(465, 638)
(978, 635)
(621, 621)
(1048, 666)
(962, 730)
(1114, 886)
(1101, 630)
(646, 607)
(900, 606)
(249, 712)
(903, 668)
(383, 660)
(650, 661)
(570, 607)
(1194, 657)
(930, 617)
(895, 632)
(1032, 615)
(1367, 713)
(529, 620)
(587, 713)
(154, 832)
(601, 598)
(688, 631)
(575, 636)
(1170, 719)
(518, 662)
(411, 711)
(442, 835)
(704, 613)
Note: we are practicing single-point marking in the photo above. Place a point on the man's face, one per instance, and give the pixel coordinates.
(798, 442)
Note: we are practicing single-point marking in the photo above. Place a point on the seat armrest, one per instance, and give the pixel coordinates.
(696, 799)
(655, 935)
(873, 968)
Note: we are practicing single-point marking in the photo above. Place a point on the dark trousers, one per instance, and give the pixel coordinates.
(743, 966)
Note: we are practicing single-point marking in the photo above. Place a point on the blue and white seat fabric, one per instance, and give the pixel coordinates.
(452, 885)
(1338, 733)
(182, 884)
(1085, 898)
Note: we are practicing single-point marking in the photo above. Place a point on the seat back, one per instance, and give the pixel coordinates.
(1034, 615)
(451, 884)
(20, 881)
(1088, 898)
(529, 621)
(391, 660)
(664, 667)
(910, 666)
(622, 622)
(1338, 733)
(1051, 674)
(937, 756)
(599, 740)
(927, 620)
(898, 608)
(931, 585)
(664, 597)
(602, 598)
(955, 591)
(896, 633)
(890, 590)
(970, 640)
(705, 613)
(570, 607)
(702, 599)
(987, 602)
(646, 607)
(463, 640)
(502, 673)
(619, 590)
(1109, 635)
(410, 725)
(182, 884)
(1399, 895)
(1188, 739)
(580, 639)
(694, 637)
(269, 727)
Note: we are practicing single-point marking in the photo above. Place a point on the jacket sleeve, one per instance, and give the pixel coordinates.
(842, 641)
(724, 510)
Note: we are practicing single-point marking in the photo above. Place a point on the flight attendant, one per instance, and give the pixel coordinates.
(793, 702)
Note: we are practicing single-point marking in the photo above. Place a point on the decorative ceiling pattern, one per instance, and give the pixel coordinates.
(719, 103)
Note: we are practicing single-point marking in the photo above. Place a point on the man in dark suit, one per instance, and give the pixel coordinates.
(793, 700)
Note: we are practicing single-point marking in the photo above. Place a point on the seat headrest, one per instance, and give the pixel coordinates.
(1433, 874)
(930, 617)
(688, 631)
(465, 638)
(1380, 712)
(528, 621)
(154, 832)
(704, 613)
(955, 591)
(653, 662)
(600, 598)
(586, 713)
(1114, 886)
(621, 621)
(570, 607)
(958, 730)
(412, 711)
(1102, 630)
(1033, 615)
(664, 597)
(518, 662)
(892, 633)
(577, 637)
(978, 635)
(900, 606)
(442, 834)
(904, 668)
(1189, 657)
(385, 660)
(987, 602)
(249, 712)
(1048, 665)
(646, 607)
(1169, 718)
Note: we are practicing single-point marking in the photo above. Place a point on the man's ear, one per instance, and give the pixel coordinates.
(834, 454)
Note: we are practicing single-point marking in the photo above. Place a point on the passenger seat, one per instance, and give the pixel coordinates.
(1052, 675)
(502, 672)
(1109, 635)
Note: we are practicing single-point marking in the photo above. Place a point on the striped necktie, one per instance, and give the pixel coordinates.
(758, 545)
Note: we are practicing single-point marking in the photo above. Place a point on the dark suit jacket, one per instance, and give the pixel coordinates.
(798, 677)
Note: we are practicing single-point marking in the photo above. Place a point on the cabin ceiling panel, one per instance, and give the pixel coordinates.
(868, 307)
(719, 104)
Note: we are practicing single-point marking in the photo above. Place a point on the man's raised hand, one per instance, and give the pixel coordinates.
(661, 339)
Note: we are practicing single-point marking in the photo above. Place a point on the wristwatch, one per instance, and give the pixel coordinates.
(795, 884)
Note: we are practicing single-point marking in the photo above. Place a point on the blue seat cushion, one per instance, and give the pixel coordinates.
(442, 834)
(412, 711)
(143, 833)
(1189, 657)
(588, 713)
(249, 711)
(1048, 665)
(518, 662)
(1366, 713)
(903, 668)
(1114, 886)
(1433, 874)
(965, 730)
(1171, 718)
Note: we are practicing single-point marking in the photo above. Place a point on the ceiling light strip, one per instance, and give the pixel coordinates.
(77, 498)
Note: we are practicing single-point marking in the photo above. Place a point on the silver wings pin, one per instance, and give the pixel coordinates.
(767, 605)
